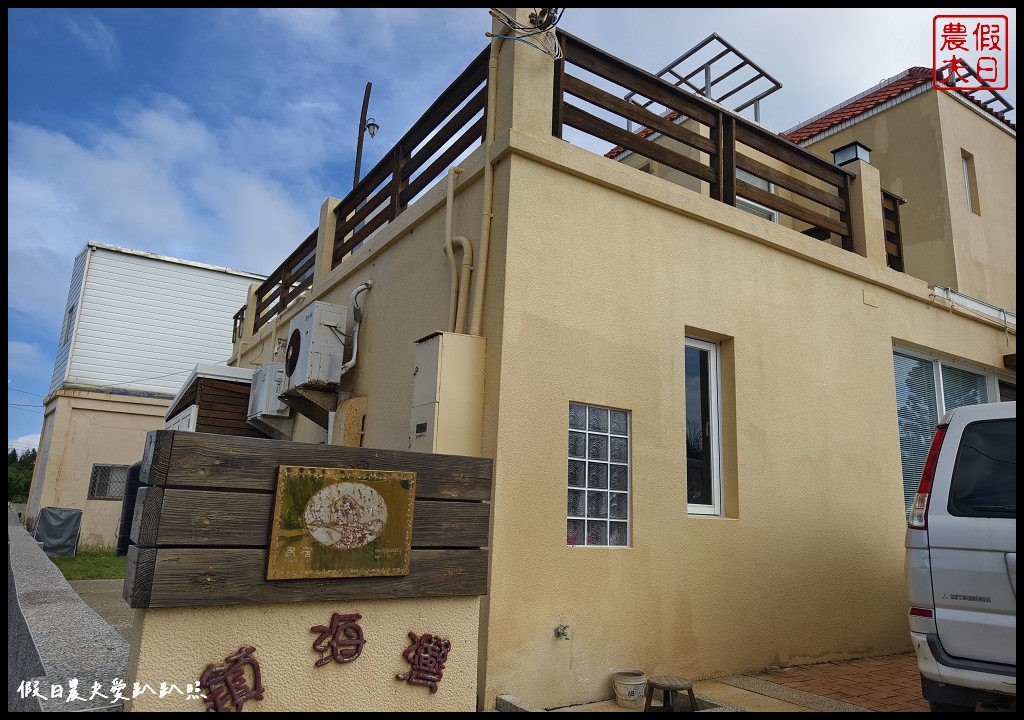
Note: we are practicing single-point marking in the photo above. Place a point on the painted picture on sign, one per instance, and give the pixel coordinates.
(341, 522)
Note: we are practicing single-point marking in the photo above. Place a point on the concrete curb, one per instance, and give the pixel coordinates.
(53, 636)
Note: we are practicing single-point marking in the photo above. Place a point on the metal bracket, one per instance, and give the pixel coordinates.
(314, 404)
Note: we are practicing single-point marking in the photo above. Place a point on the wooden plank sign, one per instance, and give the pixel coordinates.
(205, 521)
(341, 522)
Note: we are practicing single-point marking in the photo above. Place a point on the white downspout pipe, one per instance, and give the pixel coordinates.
(485, 221)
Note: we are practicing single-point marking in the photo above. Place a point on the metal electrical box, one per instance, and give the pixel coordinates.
(448, 394)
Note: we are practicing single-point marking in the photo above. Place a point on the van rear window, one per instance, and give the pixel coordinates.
(985, 473)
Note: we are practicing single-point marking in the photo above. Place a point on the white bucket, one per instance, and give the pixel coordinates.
(629, 687)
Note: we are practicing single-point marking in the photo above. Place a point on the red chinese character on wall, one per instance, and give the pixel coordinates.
(427, 655)
(226, 685)
(346, 639)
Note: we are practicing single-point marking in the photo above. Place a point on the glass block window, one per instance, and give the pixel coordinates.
(108, 482)
(598, 505)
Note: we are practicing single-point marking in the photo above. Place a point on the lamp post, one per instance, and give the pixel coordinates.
(365, 125)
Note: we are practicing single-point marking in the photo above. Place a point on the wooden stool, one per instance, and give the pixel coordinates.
(670, 685)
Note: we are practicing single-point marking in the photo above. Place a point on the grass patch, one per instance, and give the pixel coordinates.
(92, 565)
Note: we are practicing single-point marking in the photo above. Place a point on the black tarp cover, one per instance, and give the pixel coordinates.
(57, 529)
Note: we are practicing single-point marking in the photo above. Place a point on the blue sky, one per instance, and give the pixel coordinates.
(214, 135)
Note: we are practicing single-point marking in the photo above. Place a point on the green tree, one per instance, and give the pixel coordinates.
(19, 474)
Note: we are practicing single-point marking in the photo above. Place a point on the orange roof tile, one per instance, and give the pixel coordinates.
(902, 83)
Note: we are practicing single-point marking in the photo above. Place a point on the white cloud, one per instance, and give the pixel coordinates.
(160, 180)
(28, 360)
(313, 25)
(23, 443)
(97, 37)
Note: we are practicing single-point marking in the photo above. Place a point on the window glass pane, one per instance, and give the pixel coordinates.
(917, 416)
(985, 474)
(108, 482)
(577, 417)
(577, 501)
(598, 419)
(698, 421)
(753, 209)
(960, 387)
(577, 473)
(1007, 392)
(620, 477)
(597, 447)
(619, 450)
(617, 534)
(619, 422)
(618, 506)
(597, 532)
(597, 475)
(574, 532)
(577, 445)
(752, 179)
(597, 504)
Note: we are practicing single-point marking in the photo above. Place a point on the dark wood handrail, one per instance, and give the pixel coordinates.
(891, 203)
(291, 278)
(452, 124)
(731, 142)
(449, 126)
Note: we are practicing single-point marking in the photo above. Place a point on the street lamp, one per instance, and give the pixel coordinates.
(365, 125)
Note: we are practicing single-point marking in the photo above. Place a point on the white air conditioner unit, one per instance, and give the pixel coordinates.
(316, 346)
(267, 383)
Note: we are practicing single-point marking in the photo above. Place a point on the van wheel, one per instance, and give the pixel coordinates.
(948, 707)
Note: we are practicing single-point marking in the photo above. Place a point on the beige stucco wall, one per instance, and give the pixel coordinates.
(808, 563)
(82, 428)
(984, 241)
(596, 276)
(409, 300)
(174, 645)
(916, 146)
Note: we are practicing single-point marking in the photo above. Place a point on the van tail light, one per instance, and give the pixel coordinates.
(921, 612)
(918, 519)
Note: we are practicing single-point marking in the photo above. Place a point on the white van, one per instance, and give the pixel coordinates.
(961, 562)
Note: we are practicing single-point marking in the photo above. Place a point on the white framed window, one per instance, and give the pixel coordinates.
(597, 513)
(69, 324)
(750, 206)
(970, 182)
(703, 428)
(927, 387)
(108, 482)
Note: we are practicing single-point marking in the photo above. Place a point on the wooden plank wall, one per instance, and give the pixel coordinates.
(202, 522)
(223, 408)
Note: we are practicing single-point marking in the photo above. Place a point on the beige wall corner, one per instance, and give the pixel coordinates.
(325, 242)
(527, 75)
(866, 221)
(174, 645)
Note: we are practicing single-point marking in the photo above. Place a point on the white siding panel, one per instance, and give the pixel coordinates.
(145, 323)
(60, 365)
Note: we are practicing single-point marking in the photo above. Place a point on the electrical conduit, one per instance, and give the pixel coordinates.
(485, 222)
(357, 315)
(460, 287)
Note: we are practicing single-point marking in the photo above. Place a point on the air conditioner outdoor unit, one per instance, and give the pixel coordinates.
(267, 383)
(316, 346)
